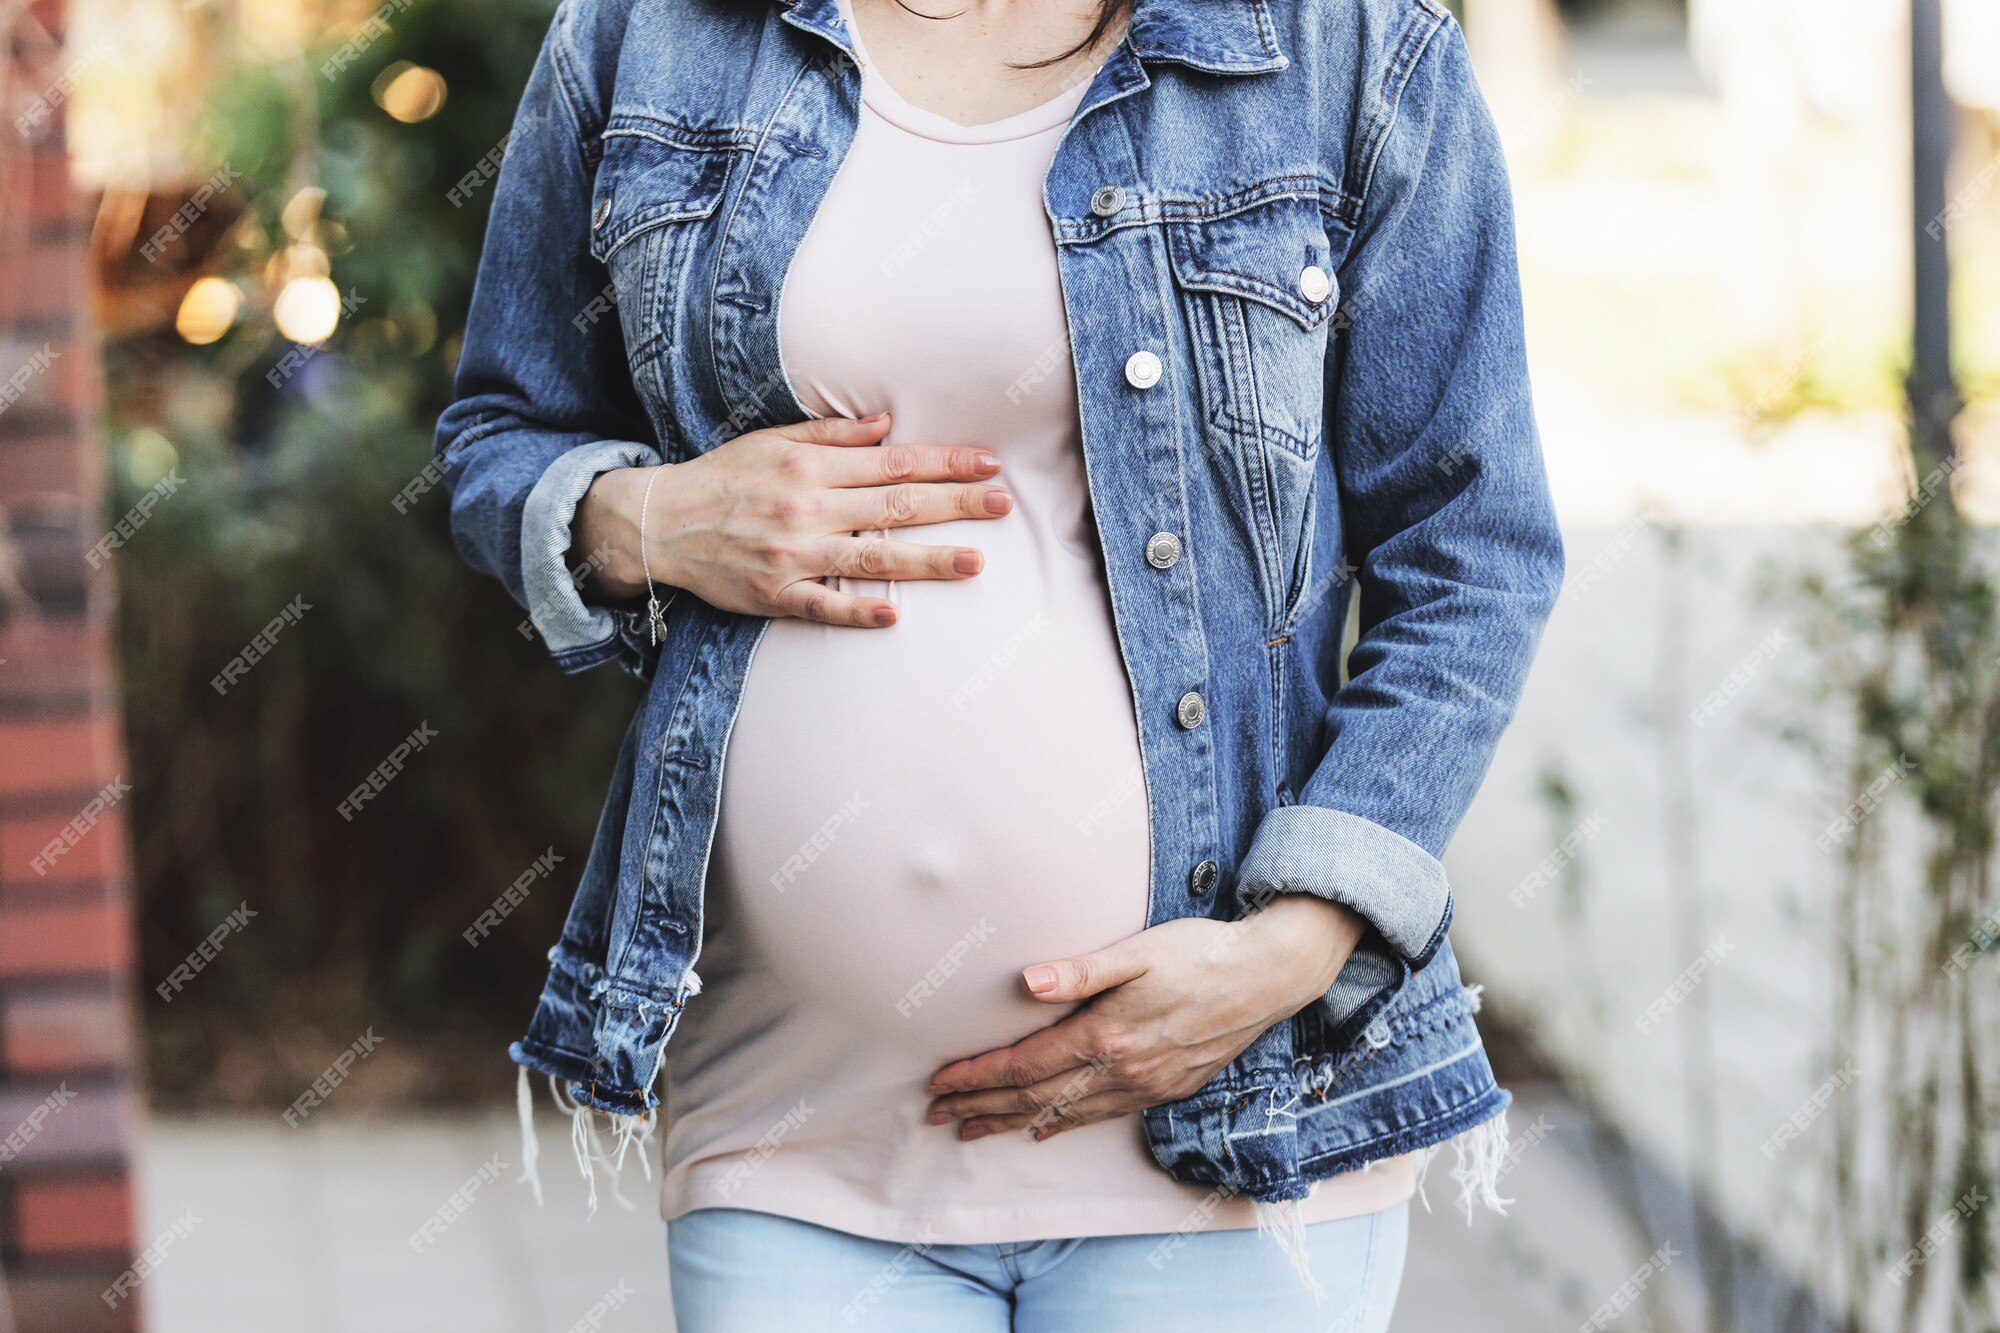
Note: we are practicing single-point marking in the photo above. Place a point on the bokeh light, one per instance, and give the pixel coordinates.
(308, 309)
(207, 310)
(149, 455)
(409, 92)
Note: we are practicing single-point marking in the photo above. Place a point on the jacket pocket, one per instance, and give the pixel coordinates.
(655, 185)
(1256, 289)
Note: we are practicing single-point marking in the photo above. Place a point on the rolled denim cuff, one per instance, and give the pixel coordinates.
(575, 631)
(1396, 885)
(1370, 970)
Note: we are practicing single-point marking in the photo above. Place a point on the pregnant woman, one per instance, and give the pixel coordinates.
(957, 420)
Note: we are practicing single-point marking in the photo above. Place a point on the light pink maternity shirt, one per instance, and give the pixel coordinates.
(910, 816)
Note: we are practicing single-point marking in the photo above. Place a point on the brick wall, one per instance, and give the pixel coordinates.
(67, 1101)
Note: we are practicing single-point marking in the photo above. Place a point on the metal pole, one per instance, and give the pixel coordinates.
(1934, 398)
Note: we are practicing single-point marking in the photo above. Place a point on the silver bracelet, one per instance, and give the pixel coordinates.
(656, 614)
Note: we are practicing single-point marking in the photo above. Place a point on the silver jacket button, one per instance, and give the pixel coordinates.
(602, 215)
(1163, 550)
(1142, 370)
(1190, 710)
(1202, 878)
(1107, 201)
(1314, 284)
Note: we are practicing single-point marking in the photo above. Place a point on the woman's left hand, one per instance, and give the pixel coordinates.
(1168, 1008)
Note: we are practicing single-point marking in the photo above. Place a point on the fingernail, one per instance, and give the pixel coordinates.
(966, 562)
(1041, 980)
(874, 417)
(971, 1132)
(885, 616)
(997, 502)
(986, 462)
(940, 1117)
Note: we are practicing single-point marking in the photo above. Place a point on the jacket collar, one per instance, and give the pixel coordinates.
(1219, 36)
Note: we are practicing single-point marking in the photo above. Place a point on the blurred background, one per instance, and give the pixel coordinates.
(1729, 890)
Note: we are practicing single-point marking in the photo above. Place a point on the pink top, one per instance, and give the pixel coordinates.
(910, 816)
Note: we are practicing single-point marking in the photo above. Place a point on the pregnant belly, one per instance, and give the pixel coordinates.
(912, 815)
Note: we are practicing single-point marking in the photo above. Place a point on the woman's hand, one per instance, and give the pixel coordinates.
(754, 524)
(1173, 1005)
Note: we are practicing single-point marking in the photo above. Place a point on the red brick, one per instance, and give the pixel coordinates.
(54, 647)
(72, 1215)
(43, 281)
(58, 941)
(58, 1032)
(45, 463)
(71, 379)
(78, 754)
(52, 201)
(65, 1206)
(48, 658)
(97, 856)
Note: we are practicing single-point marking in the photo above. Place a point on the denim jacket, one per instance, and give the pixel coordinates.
(1286, 251)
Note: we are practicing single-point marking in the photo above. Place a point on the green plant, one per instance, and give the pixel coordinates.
(303, 484)
(1911, 645)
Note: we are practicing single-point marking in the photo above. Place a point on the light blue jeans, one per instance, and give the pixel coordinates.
(735, 1271)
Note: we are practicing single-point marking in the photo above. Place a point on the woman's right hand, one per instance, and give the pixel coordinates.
(754, 524)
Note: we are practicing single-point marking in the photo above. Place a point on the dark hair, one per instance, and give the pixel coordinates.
(1108, 13)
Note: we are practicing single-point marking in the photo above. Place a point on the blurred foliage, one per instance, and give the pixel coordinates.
(1908, 638)
(290, 462)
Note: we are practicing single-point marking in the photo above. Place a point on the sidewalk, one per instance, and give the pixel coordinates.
(322, 1229)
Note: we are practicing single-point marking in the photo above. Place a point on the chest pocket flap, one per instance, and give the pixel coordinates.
(650, 177)
(1275, 254)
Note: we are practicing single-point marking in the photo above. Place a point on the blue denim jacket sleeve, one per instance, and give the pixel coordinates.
(1447, 518)
(544, 400)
